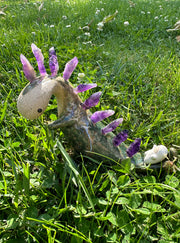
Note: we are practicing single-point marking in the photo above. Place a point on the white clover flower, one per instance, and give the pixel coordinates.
(45, 24)
(100, 26)
(33, 33)
(156, 17)
(142, 12)
(148, 12)
(51, 26)
(99, 29)
(102, 9)
(81, 75)
(88, 42)
(68, 26)
(126, 23)
(64, 17)
(87, 33)
(97, 12)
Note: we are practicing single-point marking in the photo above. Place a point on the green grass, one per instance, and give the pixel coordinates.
(44, 195)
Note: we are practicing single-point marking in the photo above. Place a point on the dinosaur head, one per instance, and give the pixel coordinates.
(34, 98)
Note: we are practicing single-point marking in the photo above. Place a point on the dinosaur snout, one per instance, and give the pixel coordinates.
(33, 100)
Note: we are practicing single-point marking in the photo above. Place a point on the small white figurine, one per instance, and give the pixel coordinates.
(156, 154)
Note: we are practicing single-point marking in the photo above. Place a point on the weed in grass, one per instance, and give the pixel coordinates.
(44, 196)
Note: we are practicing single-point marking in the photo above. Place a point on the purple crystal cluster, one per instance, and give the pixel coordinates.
(40, 59)
(28, 69)
(69, 68)
(101, 115)
(134, 147)
(53, 62)
(93, 100)
(112, 126)
(121, 137)
(84, 87)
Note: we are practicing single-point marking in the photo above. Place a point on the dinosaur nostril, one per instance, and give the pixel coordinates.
(39, 110)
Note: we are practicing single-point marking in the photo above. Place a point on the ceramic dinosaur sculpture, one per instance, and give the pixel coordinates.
(84, 131)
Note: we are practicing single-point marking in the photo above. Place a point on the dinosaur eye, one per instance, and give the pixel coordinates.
(39, 110)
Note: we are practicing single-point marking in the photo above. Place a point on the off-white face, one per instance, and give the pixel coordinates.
(34, 98)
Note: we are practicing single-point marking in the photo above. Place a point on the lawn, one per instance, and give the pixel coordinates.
(44, 195)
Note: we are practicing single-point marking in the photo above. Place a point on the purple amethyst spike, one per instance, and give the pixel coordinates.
(84, 87)
(69, 68)
(134, 147)
(53, 62)
(28, 69)
(93, 100)
(101, 115)
(40, 59)
(112, 126)
(121, 137)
